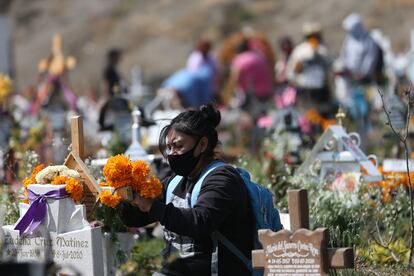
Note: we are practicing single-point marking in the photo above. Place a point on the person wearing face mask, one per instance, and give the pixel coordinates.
(189, 143)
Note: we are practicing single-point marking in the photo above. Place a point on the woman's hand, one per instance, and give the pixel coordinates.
(143, 204)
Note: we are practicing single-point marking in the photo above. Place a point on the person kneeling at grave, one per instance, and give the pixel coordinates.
(192, 214)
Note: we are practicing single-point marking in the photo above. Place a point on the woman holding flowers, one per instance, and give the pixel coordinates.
(222, 205)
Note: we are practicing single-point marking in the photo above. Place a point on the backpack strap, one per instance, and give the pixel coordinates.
(197, 187)
(171, 186)
(217, 236)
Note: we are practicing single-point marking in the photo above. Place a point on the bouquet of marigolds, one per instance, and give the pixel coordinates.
(121, 172)
(57, 175)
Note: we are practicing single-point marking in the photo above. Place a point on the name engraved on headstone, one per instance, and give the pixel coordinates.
(81, 249)
(298, 254)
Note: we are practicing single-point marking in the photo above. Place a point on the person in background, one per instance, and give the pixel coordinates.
(189, 144)
(191, 88)
(251, 78)
(360, 54)
(112, 79)
(286, 47)
(114, 89)
(201, 57)
(307, 68)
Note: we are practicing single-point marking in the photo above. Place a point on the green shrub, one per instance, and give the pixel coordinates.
(145, 258)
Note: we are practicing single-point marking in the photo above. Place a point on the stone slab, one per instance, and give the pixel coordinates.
(77, 250)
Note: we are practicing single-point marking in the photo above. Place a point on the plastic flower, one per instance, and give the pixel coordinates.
(151, 189)
(109, 199)
(74, 189)
(117, 171)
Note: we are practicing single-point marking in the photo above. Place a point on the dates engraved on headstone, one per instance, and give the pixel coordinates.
(300, 253)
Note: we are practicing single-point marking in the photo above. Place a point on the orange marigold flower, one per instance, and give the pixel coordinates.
(32, 178)
(117, 171)
(103, 184)
(59, 180)
(140, 170)
(37, 169)
(74, 189)
(109, 199)
(25, 201)
(151, 189)
(26, 182)
(327, 122)
(313, 116)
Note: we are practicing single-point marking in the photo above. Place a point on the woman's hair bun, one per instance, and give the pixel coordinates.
(211, 114)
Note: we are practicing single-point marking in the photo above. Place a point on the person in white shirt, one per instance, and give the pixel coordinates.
(308, 65)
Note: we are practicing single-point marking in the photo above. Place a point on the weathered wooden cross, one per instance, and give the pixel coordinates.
(74, 160)
(300, 251)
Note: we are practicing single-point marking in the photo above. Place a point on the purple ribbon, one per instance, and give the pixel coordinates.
(37, 210)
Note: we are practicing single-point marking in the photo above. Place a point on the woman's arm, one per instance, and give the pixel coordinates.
(220, 194)
(132, 216)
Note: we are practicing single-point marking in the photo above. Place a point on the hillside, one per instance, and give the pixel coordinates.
(159, 34)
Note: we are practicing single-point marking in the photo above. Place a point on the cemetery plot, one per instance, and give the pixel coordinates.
(300, 251)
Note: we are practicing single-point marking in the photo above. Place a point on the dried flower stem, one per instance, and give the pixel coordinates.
(403, 140)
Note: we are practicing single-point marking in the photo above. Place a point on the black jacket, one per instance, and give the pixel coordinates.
(223, 205)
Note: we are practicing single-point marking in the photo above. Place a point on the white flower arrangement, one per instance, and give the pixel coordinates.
(50, 172)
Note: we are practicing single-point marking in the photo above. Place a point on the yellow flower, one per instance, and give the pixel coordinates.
(74, 189)
(5, 86)
(117, 171)
(27, 181)
(109, 199)
(151, 189)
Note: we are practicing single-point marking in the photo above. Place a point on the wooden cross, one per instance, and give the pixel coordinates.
(74, 160)
(57, 63)
(299, 250)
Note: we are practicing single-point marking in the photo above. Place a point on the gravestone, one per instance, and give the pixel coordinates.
(299, 251)
(135, 151)
(75, 251)
(339, 151)
(64, 235)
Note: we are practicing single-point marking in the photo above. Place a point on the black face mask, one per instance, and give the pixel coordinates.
(184, 164)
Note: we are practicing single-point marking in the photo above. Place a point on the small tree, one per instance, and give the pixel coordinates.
(402, 136)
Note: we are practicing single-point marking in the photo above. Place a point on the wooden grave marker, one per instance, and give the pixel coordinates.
(300, 251)
(74, 160)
